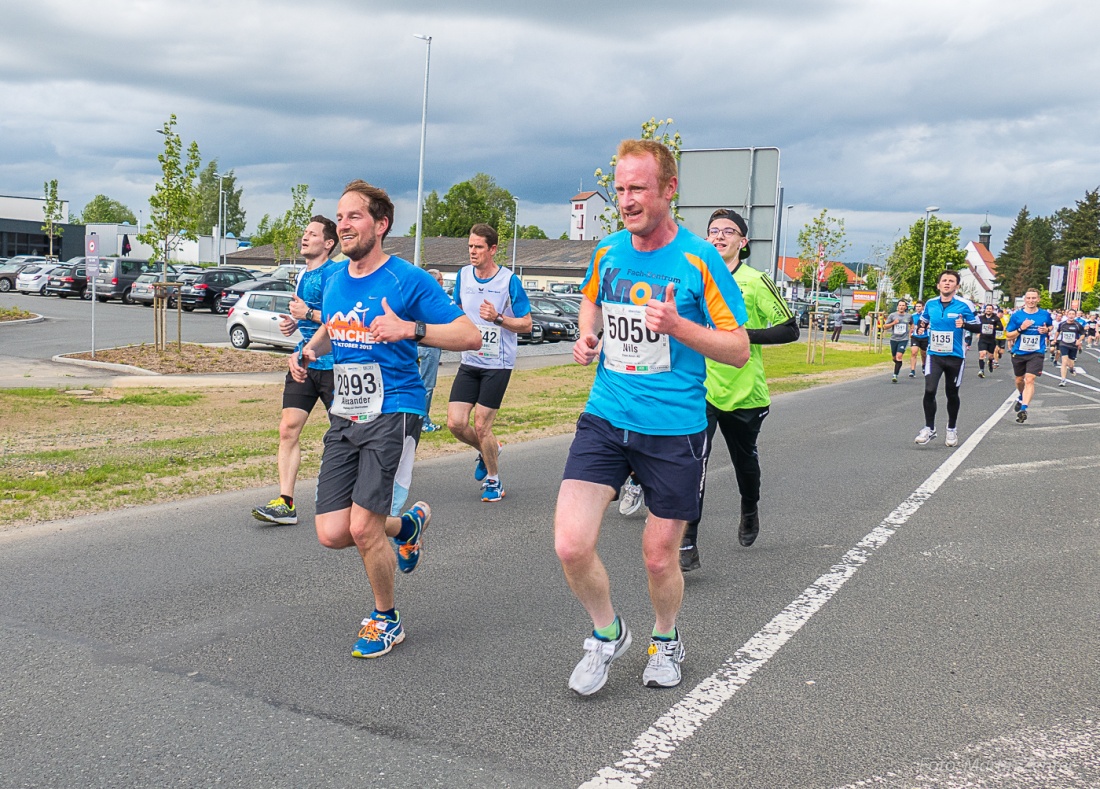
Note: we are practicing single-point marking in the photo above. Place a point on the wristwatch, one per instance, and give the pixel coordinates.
(309, 315)
(420, 331)
(499, 320)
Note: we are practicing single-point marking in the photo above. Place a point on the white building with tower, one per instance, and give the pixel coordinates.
(584, 221)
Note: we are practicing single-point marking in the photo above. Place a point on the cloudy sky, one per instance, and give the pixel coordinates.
(879, 108)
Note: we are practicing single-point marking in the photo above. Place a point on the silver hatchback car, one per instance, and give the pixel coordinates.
(33, 279)
(255, 319)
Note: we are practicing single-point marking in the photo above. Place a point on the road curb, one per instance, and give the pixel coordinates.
(118, 368)
(36, 319)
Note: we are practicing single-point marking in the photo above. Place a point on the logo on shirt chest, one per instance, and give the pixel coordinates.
(618, 289)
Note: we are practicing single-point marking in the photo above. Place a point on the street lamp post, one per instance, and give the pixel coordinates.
(221, 218)
(786, 232)
(924, 249)
(515, 233)
(423, 138)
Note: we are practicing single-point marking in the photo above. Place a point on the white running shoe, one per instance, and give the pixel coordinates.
(952, 439)
(630, 500)
(591, 673)
(925, 435)
(1062, 382)
(663, 668)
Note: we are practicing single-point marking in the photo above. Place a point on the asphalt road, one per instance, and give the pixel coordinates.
(900, 622)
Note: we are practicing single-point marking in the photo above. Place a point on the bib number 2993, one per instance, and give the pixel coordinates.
(359, 391)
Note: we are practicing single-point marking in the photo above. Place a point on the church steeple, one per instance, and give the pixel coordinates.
(984, 233)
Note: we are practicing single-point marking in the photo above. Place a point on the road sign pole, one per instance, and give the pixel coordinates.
(91, 269)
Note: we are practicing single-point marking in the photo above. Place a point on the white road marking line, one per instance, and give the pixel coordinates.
(1032, 467)
(660, 740)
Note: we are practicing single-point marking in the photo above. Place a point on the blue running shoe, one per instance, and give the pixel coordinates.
(408, 552)
(480, 472)
(378, 636)
(430, 427)
(492, 491)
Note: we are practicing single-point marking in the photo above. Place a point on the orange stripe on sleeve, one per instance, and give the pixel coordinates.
(591, 288)
(719, 310)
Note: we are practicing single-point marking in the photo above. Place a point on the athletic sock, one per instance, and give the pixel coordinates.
(664, 636)
(981, 365)
(389, 613)
(494, 478)
(1023, 406)
(897, 367)
(288, 499)
(609, 633)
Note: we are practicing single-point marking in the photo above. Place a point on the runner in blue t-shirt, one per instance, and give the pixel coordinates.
(374, 311)
(945, 319)
(1027, 330)
(666, 302)
(319, 243)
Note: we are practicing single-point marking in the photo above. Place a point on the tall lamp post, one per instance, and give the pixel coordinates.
(221, 217)
(423, 137)
(786, 231)
(924, 249)
(515, 233)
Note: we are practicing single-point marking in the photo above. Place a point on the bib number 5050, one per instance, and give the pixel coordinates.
(630, 347)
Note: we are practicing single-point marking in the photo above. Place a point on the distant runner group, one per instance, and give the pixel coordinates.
(674, 324)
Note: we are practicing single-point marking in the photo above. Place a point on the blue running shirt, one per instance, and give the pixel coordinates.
(645, 382)
(917, 333)
(308, 289)
(944, 337)
(1030, 340)
(348, 306)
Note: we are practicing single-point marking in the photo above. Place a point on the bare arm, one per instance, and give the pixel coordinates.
(518, 325)
(587, 346)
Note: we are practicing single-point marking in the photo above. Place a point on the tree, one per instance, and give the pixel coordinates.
(943, 253)
(285, 232)
(610, 218)
(838, 278)
(1028, 251)
(822, 239)
(467, 203)
(870, 279)
(1081, 236)
(171, 218)
(52, 213)
(103, 210)
(207, 197)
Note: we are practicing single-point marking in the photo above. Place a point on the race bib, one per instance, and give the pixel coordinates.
(987, 328)
(490, 342)
(942, 341)
(1030, 342)
(1069, 337)
(900, 330)
(628, 346)
(359, 392)
(1000, 333)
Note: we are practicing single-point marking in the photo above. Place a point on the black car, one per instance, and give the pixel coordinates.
(556, 326)
(533, 337)
(206, 290)
(233, 294)
(68, 281)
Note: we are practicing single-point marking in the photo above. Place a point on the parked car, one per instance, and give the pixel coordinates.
(142, 291)
(117, 275)
(555, 325)
(533, 337)
(68, 281)
(255, 318)
(8, 272)
(851, 317)
(287, 271)
(205, 290)
(234, 293)
(32, 279)
(555, 306)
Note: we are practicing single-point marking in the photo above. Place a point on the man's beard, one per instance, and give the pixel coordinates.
(362, 249)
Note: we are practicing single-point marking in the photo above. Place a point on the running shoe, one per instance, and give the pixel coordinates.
(925, 435)
(277, 511)
(378, 636)
(430, 427)
(1062, 382)
(1017, 405)
(952, 439)
(689, 557)
(591, 673)
(981, 373)
(1073, 371)
(1021, 415)
(912, 373)
(408, 552)
(894, 380)
(749, 528)
(630, 500)
(663, 668)
(480, 472)
(491, 490)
